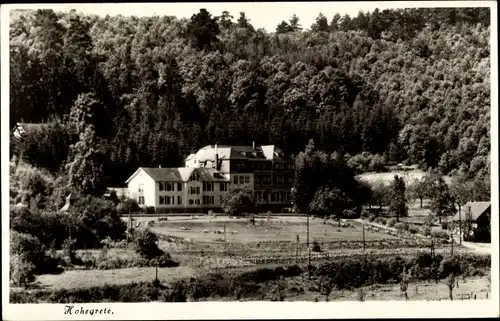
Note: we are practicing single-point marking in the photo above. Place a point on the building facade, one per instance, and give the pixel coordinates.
(207, 175)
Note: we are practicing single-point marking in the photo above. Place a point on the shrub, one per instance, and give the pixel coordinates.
(413, 229)
(238, 201)
(33, 251)
(315, 246)
(444, 225)
(426, 230)
(22, 271)
(399, 226)
(164, 260)
(448, 266)
(69, 251)
(277, 291)
(175, 293)
(127, 205)
(365, 214)
(146, 245)
(391, 222)
(440, 235)
(372, 217)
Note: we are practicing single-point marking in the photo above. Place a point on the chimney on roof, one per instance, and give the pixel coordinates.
(253, 144)
(216, 159)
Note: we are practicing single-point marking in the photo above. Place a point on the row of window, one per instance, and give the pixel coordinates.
(241, 179)
(170, 186)
(274, 197)
(263, 166)
(278, 179)
(210, 186)
(170, 200)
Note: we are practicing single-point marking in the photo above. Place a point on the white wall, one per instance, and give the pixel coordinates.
(149, 188)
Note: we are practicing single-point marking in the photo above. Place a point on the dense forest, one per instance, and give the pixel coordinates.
(115, 93)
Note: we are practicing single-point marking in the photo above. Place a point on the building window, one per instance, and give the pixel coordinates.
(256, 180)
(280, 166)
(247, 179)
(289, 166)
(169, 186)
(208, 186)
(195, 177)
(240, 165)
(197, 201)
(194, 190)
(141, 188)
(179, 200)
(280, 179)
(222, 187)
(179, 187)
(161, 187)
(141, 200)
(167, 200)
(235, 179)
(289, 179)
(274, 197)
(266, 180)
(191, 202)
(220, 199)
(208, 200)
(162, 200)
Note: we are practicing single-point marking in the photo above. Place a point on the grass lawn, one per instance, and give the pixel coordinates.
(276, 229)
(88, 278)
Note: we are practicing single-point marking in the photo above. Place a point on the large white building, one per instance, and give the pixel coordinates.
(199, 186)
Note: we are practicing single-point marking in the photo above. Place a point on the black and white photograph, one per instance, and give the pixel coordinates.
(252, 153)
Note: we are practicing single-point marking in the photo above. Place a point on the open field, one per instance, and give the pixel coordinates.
(276, 229)
(387, 177)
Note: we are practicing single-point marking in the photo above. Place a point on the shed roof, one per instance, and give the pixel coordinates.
(477, 209)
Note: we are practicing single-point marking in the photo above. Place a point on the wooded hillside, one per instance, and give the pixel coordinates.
(410, 85)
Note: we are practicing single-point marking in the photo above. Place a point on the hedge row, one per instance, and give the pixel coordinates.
(345, 273)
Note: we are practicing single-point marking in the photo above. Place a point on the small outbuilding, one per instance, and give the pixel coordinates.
(479, 214)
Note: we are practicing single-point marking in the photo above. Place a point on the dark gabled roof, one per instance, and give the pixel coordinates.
(180, 174)
(265, 152)
(210, 175)
(169, 174)
(477, 209)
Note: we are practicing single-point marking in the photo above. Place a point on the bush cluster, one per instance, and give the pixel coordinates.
(366, 162)
(29, 258)
(147, 248)
(89, 221)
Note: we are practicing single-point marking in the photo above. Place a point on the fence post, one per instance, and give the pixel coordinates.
(364, 246)
(297, 249)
